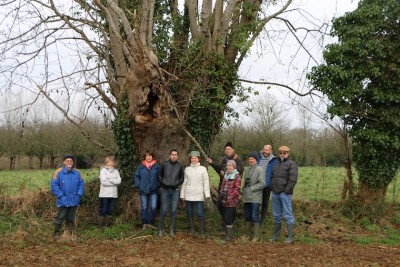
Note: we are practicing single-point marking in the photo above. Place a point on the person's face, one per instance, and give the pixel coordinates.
(194, 160)
(283, 154)
(68, 163)
(110, 163)
(228, 151)
(230, 167)
(149, 158)
(252, 161)
(173, 156)
(266, 151)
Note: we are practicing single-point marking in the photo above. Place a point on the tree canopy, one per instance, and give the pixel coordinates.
(361, 77)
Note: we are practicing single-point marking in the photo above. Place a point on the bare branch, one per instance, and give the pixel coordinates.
(81, 129)
(281, 85)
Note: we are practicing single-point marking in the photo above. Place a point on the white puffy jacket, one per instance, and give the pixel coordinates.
(196, 185)
(109, 180)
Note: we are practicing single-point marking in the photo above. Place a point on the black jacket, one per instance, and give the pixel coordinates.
(284, 176)
(222, 167)
(171, 174)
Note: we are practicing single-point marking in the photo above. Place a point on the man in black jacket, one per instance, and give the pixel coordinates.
(171, 176)
(283, 180)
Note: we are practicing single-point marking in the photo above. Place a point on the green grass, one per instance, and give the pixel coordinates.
(325, 183)
(314, 183)
(15, 182)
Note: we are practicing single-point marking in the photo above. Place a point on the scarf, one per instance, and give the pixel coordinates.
(230, 175)
(148, 165)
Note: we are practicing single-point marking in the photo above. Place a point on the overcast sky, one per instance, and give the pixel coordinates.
(277, 62)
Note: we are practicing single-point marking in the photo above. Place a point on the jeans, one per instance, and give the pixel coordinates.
(148, 205)
(65, 213)
(282, 207)
(107, 205)
(251, 212)
(198, 206)
(169, 199)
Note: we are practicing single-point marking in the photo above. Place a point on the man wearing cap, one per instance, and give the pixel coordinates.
(254, 183)
(68, 186)
(267, 160)
(171, 177)
(283, 180)
(221, 168)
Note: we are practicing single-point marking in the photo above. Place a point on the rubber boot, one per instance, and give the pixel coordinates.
(172, 227)
(71, 228)
(202, 227)
(101, 222)
(229, 232)
(249, 227)
(256, 233)
(191, 226)
(107, 221)
(263, 215)
(57, 230)
(161, 227)
(277, 232)
(290, 237)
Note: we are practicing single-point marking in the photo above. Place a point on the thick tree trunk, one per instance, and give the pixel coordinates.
(369, 202)
(157, 122)
(348, 184)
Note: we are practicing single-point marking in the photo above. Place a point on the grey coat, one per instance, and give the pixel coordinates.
(284, 176)
(253, 190)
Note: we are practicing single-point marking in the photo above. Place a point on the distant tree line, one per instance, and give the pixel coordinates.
(48, 142)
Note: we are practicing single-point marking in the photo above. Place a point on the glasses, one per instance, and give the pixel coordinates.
(282, 153)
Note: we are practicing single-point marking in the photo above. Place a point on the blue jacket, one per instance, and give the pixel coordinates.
(270, 168)
(147, 179)
(67, 186)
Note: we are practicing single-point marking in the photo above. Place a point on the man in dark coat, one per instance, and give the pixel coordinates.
(283, 180)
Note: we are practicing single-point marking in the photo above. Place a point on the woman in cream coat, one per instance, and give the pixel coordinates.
(109, 181)
(195, 188)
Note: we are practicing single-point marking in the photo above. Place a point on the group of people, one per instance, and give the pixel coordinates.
(267, 174)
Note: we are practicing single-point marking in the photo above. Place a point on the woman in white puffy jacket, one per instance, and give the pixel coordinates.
(109, 181)
(195, 188)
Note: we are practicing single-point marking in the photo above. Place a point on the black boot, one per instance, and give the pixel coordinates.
(263, 215)
(161, 227)
(229, 232)
(202, 227)
(57, 230)
(290, 237)
(191, 226)
(172, 227)
(277, 232)
(101, 223)
(71, 228)
(107, 221)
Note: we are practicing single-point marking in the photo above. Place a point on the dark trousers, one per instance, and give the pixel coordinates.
(229, 214)
(107, 205)
(265, 202)
(65, 213)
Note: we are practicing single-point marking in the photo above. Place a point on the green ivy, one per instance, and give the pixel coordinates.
(126, 151)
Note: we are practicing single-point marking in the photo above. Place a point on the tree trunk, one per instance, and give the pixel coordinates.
(348, 184)
(369, 202)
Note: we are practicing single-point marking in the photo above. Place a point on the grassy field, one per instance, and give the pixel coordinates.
(314, 183)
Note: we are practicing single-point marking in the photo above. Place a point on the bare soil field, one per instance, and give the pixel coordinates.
(186, 250)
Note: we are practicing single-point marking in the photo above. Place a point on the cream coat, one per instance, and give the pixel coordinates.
(109, 180)
(196, 184)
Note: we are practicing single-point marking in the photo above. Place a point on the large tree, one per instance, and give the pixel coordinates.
(361, 77)
(166, 69)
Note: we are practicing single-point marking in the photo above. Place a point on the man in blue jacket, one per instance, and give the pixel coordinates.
(267, 160)
(68, 186)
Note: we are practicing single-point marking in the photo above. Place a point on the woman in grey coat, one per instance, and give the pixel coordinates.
(254, 183)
